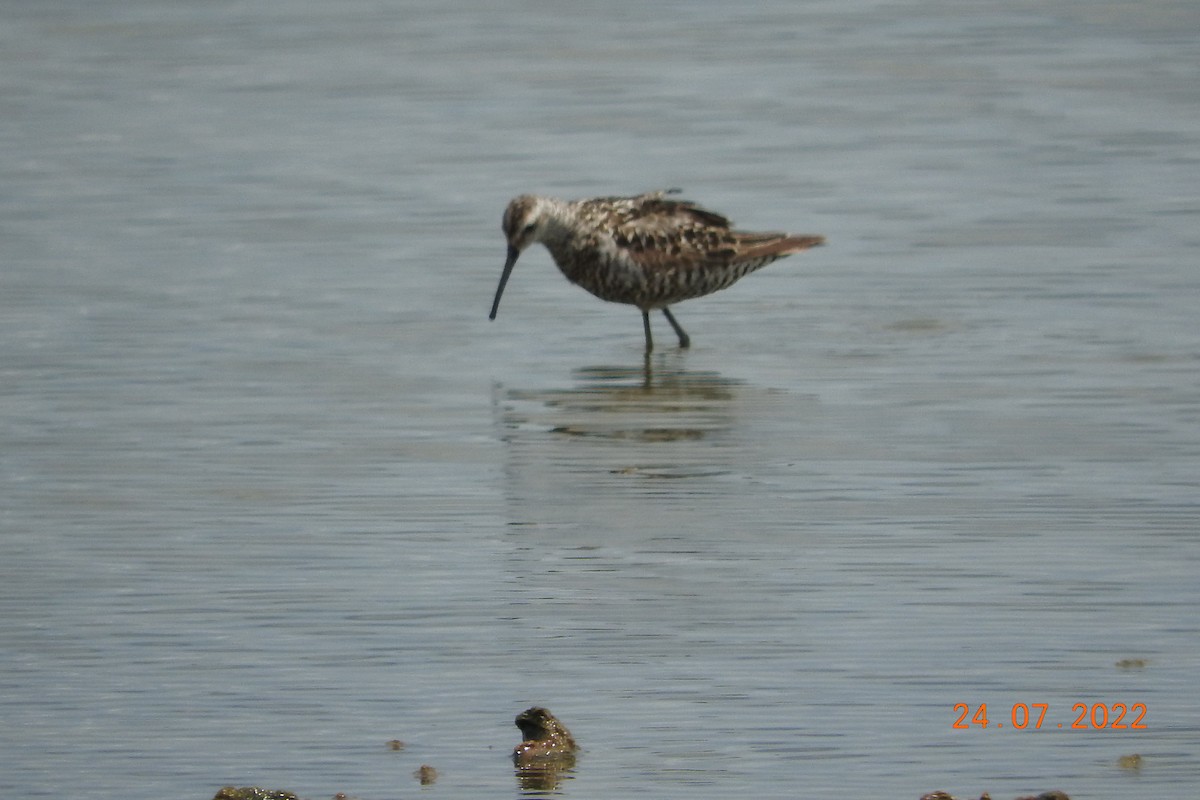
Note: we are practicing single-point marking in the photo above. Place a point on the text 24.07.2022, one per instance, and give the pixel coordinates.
(1032, 716)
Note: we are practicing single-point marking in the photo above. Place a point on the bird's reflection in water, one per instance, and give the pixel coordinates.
(629, 403)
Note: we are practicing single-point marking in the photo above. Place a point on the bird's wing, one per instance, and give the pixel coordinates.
(661, 233)
(655, 231)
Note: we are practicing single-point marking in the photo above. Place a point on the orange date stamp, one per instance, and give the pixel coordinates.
(1032, 716)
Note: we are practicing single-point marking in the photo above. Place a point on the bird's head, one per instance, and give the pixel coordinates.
(525, 222)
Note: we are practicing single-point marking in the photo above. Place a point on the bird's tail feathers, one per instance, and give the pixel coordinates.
(778, 245)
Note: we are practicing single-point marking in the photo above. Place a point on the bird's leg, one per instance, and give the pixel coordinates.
(684, 341)
(646, 326)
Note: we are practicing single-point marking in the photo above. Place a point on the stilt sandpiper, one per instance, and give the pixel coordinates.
(647, 251)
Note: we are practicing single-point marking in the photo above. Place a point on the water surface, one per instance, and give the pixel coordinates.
(275, 491)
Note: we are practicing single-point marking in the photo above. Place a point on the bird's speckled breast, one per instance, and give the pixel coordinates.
(597, 265)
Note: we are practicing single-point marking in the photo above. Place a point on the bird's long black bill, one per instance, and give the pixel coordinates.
(513, 254)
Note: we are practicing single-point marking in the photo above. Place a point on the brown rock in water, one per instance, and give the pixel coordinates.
(547, 753)
(426, 774)
(252, 793)
(544, 738)
(985, 796)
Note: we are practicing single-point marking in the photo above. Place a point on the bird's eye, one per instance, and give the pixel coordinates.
(529, 228)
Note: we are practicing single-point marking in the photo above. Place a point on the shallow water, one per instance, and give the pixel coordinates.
(275, 491)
